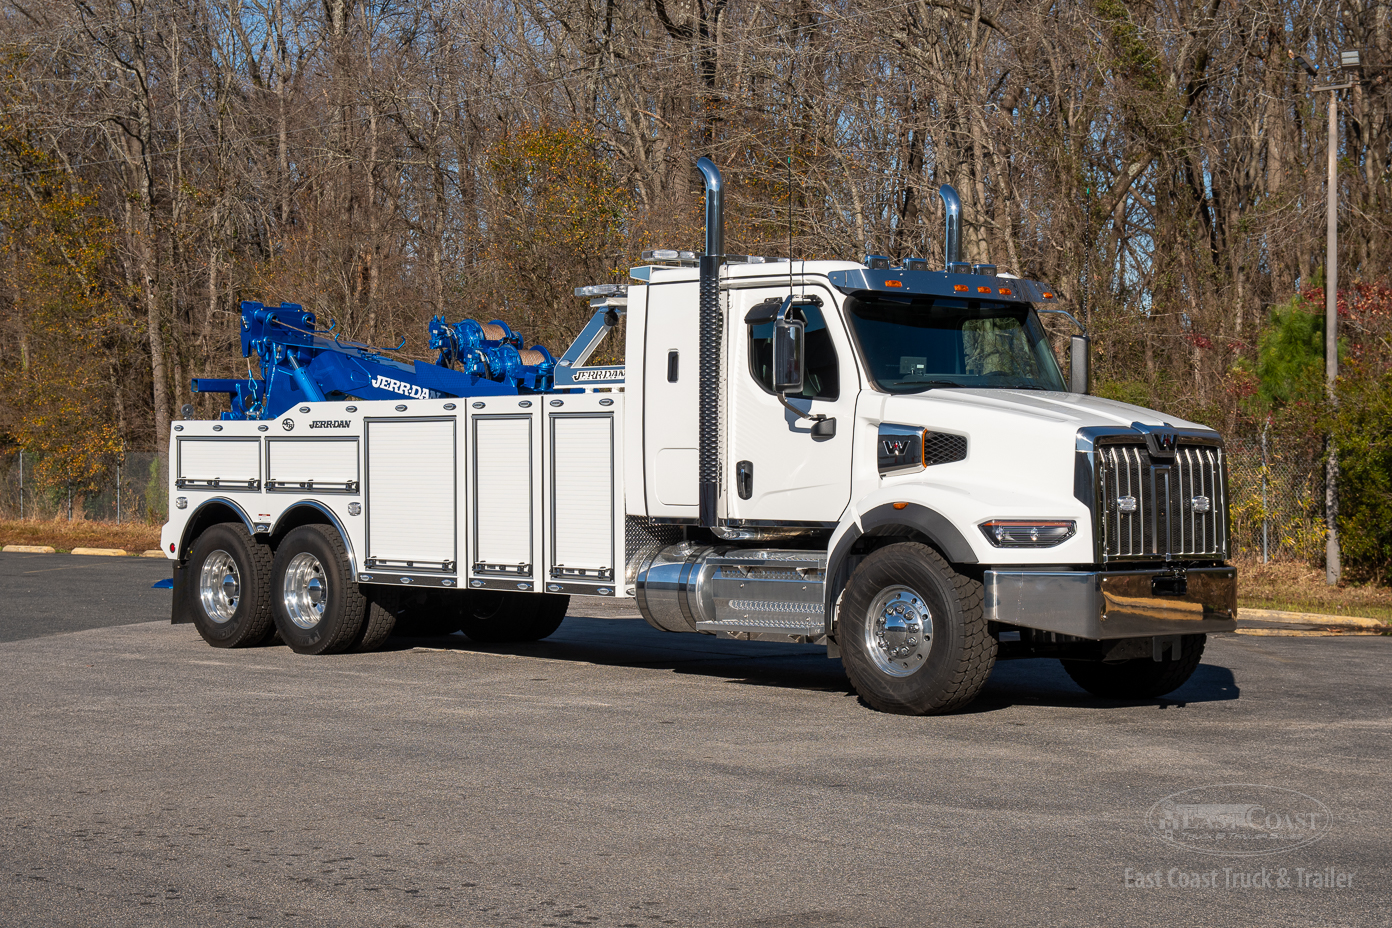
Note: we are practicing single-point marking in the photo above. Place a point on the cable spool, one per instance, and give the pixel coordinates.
(494, 332)
(531, 357)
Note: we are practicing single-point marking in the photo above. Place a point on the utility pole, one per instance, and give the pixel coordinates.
(1348, 60)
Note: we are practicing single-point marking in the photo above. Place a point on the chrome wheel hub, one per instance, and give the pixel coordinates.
(899, 633)
(220, 587)
(305, 591)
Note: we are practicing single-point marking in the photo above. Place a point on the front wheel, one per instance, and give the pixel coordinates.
(913, 633)
(317, 605)
(1139, 677)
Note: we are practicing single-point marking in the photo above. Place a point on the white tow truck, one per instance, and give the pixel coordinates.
(881, 459)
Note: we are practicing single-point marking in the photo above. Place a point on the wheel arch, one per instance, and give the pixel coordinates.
(313, 512)
(885, 525)
(210, 512)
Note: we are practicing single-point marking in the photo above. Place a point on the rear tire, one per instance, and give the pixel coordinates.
(317, 604)
(496, 616)
(230, 587)
(380, 624)
(1140, 677)
(912, 632)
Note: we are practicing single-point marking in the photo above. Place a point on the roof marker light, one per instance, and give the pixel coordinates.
(894, 283)
(983, 289)
(1048, 295)
(1006, 291)
(960, 288)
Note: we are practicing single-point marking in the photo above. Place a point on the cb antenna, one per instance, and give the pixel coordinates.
(790, 225)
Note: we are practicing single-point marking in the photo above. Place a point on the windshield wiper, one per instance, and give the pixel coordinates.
(926, 383)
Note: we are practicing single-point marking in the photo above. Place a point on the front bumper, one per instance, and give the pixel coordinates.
(1115, 604)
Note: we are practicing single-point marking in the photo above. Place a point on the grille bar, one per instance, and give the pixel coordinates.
(1149, 508)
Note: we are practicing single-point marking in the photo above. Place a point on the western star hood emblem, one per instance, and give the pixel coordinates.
(1160, 439)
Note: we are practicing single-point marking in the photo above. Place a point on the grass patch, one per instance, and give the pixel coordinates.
(1301, 588)
(64, 535)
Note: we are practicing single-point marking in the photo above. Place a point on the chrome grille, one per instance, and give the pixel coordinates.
(1149, 507)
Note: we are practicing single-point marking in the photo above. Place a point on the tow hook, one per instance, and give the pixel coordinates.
(1173, 582)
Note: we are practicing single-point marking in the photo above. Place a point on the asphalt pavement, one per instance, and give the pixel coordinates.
(614, 775)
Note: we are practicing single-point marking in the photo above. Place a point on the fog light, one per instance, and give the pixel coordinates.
(1022, 533)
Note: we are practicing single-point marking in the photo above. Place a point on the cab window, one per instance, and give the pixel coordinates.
(822, 381)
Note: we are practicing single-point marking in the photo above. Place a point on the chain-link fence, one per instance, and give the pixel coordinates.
(1277, 499)
(132, 487)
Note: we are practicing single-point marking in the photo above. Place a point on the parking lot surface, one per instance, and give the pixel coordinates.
(617, 776)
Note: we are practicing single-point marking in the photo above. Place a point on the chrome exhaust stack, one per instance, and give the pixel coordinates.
(952, 234)
(710, 337)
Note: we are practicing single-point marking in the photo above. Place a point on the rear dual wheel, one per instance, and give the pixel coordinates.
(316, 602)
(230, 588)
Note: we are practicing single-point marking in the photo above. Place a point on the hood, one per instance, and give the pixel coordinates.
(1074, 409)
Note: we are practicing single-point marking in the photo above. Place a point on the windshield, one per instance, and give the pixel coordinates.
(913, 344)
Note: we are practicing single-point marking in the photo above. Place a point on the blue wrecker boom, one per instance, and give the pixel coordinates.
(300, 364)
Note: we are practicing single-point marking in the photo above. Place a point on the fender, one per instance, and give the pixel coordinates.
(185, 541)
(919, 519)
(333, 520)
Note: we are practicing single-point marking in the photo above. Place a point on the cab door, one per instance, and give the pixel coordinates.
(777, 469)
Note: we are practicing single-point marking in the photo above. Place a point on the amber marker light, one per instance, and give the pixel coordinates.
(1006, 291)
(894, 283)
(900, 505)
(1048, 295)
(983, 289)
(960, 288)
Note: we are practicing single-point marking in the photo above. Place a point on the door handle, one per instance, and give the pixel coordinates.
(744, 479)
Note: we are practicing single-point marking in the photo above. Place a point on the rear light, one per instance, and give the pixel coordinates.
(1028, 533)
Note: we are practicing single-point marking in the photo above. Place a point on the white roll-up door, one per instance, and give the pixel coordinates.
(411, 512)
(234, 463)
(503, 474)
(582, 496)
(312, 463)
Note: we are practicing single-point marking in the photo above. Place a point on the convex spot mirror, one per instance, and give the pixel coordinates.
(788, 358)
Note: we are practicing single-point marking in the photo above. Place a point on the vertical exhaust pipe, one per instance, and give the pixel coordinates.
(710, 336)
(952, 235)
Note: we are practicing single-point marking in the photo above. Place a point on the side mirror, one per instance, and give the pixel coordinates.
(1079, 362)
(788, 360)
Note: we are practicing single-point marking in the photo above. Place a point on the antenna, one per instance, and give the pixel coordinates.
(790, 225)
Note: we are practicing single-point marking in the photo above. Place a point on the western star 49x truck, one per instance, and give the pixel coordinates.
(882, 459)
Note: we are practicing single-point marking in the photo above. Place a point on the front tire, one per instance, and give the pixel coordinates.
(316, 602)
(230, 589)
(912, 632)
(1139, 677)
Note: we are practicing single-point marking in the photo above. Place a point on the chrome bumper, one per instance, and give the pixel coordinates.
(1115, 604)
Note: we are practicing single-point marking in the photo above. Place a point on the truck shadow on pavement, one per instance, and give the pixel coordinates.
(632, 643)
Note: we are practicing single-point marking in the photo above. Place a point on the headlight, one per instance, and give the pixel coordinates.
(1028, 533)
